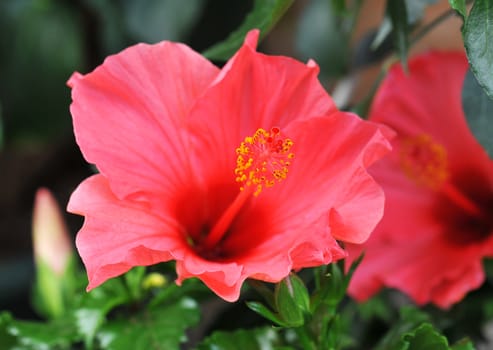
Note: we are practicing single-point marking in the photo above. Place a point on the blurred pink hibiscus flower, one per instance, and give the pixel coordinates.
(248, 171)
(438, 181)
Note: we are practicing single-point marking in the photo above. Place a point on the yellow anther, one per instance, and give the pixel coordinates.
(263, 159)
(424, 161)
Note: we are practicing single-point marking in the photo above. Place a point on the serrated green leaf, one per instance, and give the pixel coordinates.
(479, 44)
(264, 16)
(397, 12)
(425, 337)
(87, 322)
(160, 328)
(478, 108)
(459, 6)
(57, 334)
(95, 305)
(410, 318)
(253, 339)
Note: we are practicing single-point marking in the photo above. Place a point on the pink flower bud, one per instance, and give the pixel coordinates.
(50, 235)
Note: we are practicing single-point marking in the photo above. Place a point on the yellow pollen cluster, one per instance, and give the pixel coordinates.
(424, 161)
(263, 159)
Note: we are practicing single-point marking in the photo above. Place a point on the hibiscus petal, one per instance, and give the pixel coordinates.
(118, 235)
(224, 279)
(328, 175)
(426, 245)
(447, 281)
(420, 95)
(416, 205)
(129, 115)
(304, 244)
(253, 91)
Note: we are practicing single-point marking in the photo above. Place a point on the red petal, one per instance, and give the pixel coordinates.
(328, 175)
(118, 235)
(130, 113)
(254, 91)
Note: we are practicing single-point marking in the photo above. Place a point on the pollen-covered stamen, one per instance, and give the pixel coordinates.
(425, 161)
(263, 159)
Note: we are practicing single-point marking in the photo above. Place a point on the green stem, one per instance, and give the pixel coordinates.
(262, 289)
(427, 28)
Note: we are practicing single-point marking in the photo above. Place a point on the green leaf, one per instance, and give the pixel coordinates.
(411, 13)
(133, 280)
(459, 6)
(262, 310)
(171, 293)
(464, 344)
(95, 305)
(161, 328)
(264, 16)
(57, 334)
(400, 19)
(253, 339)
(292, 300)
(397, 12)
(478, 108)
(477, 32)
(425, 337)
(410, 318)
(7, 341)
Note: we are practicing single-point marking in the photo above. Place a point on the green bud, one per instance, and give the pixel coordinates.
(53, 256)
(292, 300)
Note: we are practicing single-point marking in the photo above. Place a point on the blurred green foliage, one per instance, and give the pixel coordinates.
(40, 47)
(44, 41)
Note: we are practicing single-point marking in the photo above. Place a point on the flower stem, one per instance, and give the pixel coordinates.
(427, 28)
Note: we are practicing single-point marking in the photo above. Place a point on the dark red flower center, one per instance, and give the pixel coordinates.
(465, 201)
(470, 221)
(262, 161)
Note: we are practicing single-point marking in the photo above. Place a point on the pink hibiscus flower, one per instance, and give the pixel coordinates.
(248, 171)
(438, 181)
